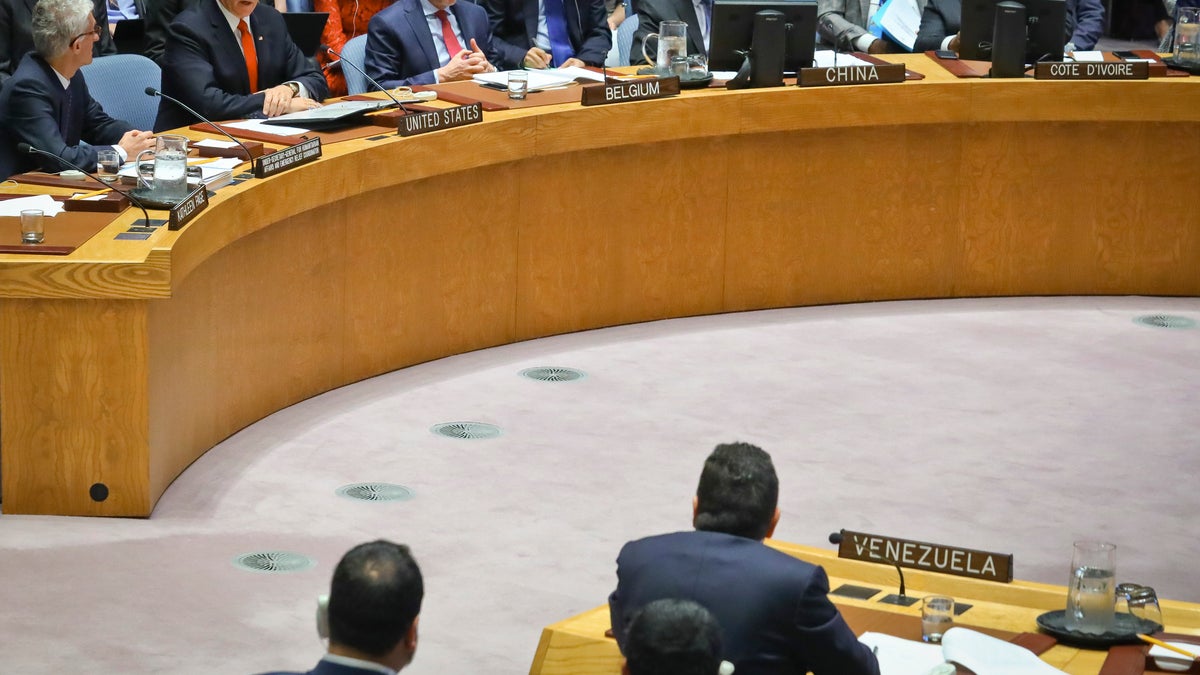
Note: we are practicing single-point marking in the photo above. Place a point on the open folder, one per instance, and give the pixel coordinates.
(983, 654)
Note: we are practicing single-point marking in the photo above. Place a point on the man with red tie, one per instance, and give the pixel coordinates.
(233, 59)
(549, 33)
(428, 41)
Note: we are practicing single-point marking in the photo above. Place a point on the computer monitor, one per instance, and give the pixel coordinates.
(1045, 32)
(733, 26)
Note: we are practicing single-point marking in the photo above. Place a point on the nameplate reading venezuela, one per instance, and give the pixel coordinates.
(414, 124)
(623, 92)
(187, 209)
(1106, 70)
(919, 555)
(867, 74)
(282, 160)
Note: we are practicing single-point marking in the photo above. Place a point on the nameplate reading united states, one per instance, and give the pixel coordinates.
(864, 74)
(1106, 70)
(282, 160)
(623, 92)
(920, 555)
(187, 209)
(414, 124)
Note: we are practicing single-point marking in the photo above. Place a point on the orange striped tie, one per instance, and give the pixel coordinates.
(250, 54)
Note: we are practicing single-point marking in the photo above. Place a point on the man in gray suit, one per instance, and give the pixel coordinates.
(843, 24)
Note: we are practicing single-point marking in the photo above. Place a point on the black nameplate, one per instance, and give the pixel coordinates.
(1099, 70)
(868, 74)
(919, 555)
(415, 124)
(623, 92)
(282, 160)
(187, 209)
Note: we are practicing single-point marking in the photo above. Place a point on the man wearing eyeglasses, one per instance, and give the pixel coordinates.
(16, 38)
(46, 102)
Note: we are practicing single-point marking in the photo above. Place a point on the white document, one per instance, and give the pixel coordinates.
(983, 654)
(48, 205)
(222, 164)
(538, 79)
(827, 58)
(899, 20)
(898, 656)
(273, 129)
(213, 143)
(1169, 660)
(575, 72)
(1087, 57)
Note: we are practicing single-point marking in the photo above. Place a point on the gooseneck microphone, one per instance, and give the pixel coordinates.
(892, 598)
(151, 91)
(344, 61)
(27, 149)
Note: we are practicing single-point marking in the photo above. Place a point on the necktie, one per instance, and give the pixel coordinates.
(453, 46)
(556, 25)
(249, 53)
(708, 6)
(64, 117)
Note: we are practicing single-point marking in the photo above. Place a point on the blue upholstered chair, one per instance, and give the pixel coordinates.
(117, 83)
(355, 51)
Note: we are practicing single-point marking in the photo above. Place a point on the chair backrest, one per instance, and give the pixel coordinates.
(625, 38)
(117, 83)
(355, 51)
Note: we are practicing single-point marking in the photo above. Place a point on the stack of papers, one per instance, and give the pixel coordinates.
(13, 207)
(538, 79)
(827, 58)
(983, 654)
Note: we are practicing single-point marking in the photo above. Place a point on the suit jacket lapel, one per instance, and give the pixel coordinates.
(227, 44)
(687, 12)
(415, 13)
(463, 26)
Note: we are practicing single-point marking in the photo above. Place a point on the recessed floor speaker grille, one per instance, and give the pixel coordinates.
(375, 492)
(1165, 321)
(553, 374)
(471, 431)
(274, 562)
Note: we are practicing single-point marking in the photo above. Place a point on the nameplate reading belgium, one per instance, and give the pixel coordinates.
(415, 124)
(282, 160)
(919, 555)
(623, 92)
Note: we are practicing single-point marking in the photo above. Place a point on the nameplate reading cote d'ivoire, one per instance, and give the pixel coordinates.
(865, 74)
(1106, 70)
(919, 555)
(282, 160)
(414, 124)
(187, 209)
(623, 92)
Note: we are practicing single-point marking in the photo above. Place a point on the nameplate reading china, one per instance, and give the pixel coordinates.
(920, 555)
(1106, 70)
(623, 92)
(282, 160)
(187, 209)
(867, 74)
(414, 124)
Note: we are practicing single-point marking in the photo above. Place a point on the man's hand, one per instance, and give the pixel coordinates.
(954, 42)
(572, 63)
(478, 53)
(301, 103)
(616, 18)
(878, 47)
(463, 66)
(277, 100)
(536, 58)
(136, 141)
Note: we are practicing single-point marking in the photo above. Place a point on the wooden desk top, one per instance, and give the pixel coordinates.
(577, 646)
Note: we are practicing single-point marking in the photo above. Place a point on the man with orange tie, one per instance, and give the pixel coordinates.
(428, 41)
(234, 59)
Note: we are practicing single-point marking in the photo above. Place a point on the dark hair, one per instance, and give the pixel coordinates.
(375, 595)
(673, 637)
(738, 491)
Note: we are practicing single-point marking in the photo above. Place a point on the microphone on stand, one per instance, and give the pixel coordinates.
(27, 149)
(329, 50)
(151, 91)
(892, 598)
(827, 24)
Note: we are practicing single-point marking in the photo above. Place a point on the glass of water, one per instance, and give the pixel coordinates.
(937, 616)
(518, 84)
(32, 226)
(1091, 590)
(108, 163)
(1187, 36)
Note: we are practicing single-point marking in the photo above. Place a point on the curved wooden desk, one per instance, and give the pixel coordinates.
(125, 361)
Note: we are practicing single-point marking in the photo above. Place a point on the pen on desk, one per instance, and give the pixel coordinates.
(93, 193)
(1165, 645)
(206, 160)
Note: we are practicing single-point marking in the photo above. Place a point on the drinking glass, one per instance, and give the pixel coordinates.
(1187, 36)
(1140, 601)
(937, 616)
(108, 163)
(518, 84)
(672, 42)
(32, 224)
(1091, 591)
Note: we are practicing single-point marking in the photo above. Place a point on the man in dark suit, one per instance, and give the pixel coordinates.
(16, 36)
(773, 609)
(374, 603)
(232, 59)
(651, 13)
(426, 42)
(942, 19)
(46, 102)
(566, 33)
(158, 16)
